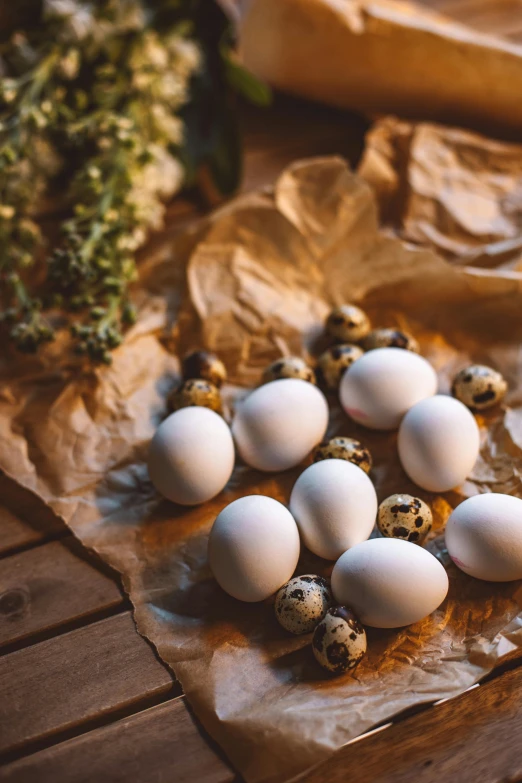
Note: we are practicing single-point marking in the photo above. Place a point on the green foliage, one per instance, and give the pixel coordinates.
(121, 103)
(245, 83)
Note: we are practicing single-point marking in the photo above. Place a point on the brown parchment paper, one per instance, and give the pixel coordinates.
(260, 282)
(381, 56)
(447, 188)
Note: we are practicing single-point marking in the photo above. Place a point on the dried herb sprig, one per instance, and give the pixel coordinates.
(27, 160)
(133, 132)
(98, 98)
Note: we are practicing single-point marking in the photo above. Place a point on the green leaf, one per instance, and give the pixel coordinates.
(246, 84)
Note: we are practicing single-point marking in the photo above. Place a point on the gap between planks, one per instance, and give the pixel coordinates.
(90, 676)
(19, 536)
(115, 695)
(18, 506)
(162, 743)
(35, 538)
(68, 570)
(470, 738)
(452, 742)
(53, 588)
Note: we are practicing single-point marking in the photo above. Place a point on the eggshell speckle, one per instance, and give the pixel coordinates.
(288, 367)
(344, 448)
(334, 504)
(339, 640)
(381, 386)
(332, 364)
(191, 456)
(198, 393)
(406, 517)
(484, 537)
(202, 364)
(438, 443)
(253, 547)
(348, 323)
(302, 603)
(389, 583)
(479, 387)
(279, 423)
(390, 338)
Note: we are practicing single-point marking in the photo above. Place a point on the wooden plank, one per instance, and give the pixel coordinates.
(24, 518)
(57, 685)
(159, 744)
(471, 738)
(475, 737)
(49, 586)
(15, 533)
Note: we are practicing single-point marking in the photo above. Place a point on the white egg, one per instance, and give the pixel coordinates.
(438, 443)
(484, 537)
(334, 504)
(278, 424)
(382, 385)
(253, 547)
(191, 456)
(389, 583)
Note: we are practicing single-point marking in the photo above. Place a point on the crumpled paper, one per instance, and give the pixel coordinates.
(447, 188)
(259, 283)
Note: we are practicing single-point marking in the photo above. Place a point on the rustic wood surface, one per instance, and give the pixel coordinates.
(24, 520)
(75, 677)
(49, 587)
(15, 532)
(85, 698)
(469, 739)
(159, 744)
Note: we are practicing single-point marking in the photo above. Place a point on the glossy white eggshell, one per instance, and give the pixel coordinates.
(335, 505)
(381, 386)
(253, 547)
(278, 424)
(191, 456)
(484, 537)
(389, 583)
(438, 443)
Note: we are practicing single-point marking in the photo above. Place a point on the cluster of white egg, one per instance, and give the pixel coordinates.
(255, 542)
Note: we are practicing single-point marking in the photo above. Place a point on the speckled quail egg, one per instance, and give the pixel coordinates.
(390, 338)
(344, 448)
(205, 365)
(195, 392)
(288, 367)
(339, 640)
(302, 603)
(348, 324)
(404, 516)
(479, 387)
(333, 362)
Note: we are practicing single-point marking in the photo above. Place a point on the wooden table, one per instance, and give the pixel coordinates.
(84, 698)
